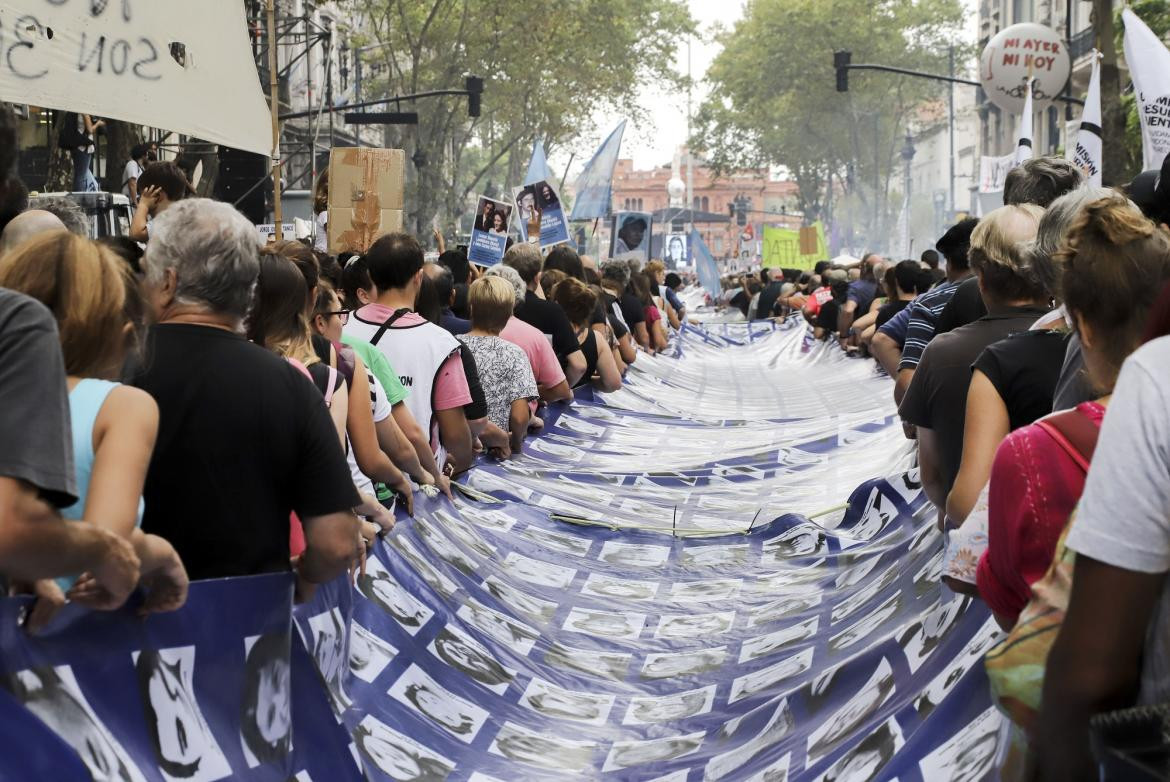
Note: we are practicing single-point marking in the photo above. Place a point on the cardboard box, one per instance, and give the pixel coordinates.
(373, 177)
(354, 230)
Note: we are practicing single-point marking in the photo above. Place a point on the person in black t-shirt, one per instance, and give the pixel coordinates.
(545, 315)
(615, 281)
(244, 439)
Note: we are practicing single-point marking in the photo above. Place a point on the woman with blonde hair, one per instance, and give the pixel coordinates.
(99, 311)
(504, 371)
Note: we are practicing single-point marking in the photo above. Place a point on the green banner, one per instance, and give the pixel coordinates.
(785, 248)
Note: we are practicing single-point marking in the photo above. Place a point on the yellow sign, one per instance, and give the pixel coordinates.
(785, 248)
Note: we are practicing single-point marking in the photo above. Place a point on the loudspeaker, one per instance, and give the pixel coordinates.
(244, 181)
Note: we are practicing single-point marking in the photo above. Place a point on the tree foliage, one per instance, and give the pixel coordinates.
(546, 75)
(773, 97)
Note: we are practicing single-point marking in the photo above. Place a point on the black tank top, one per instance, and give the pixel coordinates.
(589, 348)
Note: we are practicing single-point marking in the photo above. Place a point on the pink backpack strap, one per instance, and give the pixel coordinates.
(330, 387)
(1074, 433)
(300, 367)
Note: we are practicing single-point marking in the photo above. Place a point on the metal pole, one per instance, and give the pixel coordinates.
(951, 159)
(314, 119)
(274, 91)
(690, 159)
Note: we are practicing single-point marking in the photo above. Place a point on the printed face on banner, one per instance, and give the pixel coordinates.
(969, 755)
(553, 701)
(670, 708)
(870, 755)
(541, 218)
(185, 746)
(328, 647)
(399, 757)
(536, 749)
(599, 665)
(626, 754)
(423, 695)
(462, 653)
(266, 712)
(489, 234)
(838, 727)
(382, 589)
(368, 654)
(605, 624)
(631, 236)
(52, 695)
(521, 602)
(675, 255)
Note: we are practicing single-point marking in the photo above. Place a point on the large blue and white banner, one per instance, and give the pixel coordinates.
(698, 577)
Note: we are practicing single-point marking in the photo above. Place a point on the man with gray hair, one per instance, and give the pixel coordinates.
(550, 378)
(546, 316)
(1040, 181)
(615, 287)
(244, 438)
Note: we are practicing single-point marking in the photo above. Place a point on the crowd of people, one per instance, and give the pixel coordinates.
(1008, 342)
(207, 405)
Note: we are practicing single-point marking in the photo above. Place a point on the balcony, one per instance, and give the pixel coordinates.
(1081, 44)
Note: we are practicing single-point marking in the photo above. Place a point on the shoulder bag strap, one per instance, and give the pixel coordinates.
(390, 321)
(1073, 432)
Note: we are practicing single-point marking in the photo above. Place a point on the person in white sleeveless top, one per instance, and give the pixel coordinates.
(425, 356)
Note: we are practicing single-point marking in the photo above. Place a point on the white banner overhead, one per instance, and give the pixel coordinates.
(1149, 67)
(179, 65)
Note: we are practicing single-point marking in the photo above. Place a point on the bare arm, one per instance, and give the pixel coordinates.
(363, 434)
(672, 316)
(609, 378)
(418, 440)
(393, 442)
(845, 318)
(456, 438)
(557, 393)
(575, 367)
(902, 383)
(627, 350)
(886, 351)
(986, 425)
(641, 335)
(928, 459)
(659, 336)
(331, 545)
(124, 435)
(518, 423)
(1095, 663)
(339, 412)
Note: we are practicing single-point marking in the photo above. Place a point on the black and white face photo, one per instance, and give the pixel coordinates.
(669, 708)
(694, 625)
(775, 772)
(599, 665)
(397, 756)
(765, 645)
(760, 681)
(186, 748)
(266, 710)
(601, 586)
(780, 723)
(495, 520)
(866, 628)
(458, 650)
(969, 755)
(849, 717)
(423, 695)
(626, 754)
(53, 696)
(634, 554)
(382, 589)
(922, 638)
(940, 687)
(534, 571)
(330, 653)
(558, 541)
(878, 512)
(421, 565)
(701, 591)
(714, 556)
(465, 534)
(860, 597)
(869, 757)
(444, 548)
(521, 602)
(802, 540)
(368, 654)
(606, 624)
(666, 665)
(510, 632)
(785, 608)
(551, 752)
(553, 701)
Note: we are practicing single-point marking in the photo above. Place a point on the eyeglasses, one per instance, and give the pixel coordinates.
(343, 314)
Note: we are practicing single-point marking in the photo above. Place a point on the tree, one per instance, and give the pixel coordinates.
(546, 75)
(774, 99)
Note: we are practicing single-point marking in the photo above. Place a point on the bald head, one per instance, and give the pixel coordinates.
(27, 225)
(588, 262)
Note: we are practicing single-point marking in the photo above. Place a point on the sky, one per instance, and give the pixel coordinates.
(666, 128)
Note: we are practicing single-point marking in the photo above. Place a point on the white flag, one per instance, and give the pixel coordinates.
(1087, 154)
(1024, 147)
(1149, 67)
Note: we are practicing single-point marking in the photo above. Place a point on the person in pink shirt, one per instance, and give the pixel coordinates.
(550, 377)
(425, 356)
(1115, 262)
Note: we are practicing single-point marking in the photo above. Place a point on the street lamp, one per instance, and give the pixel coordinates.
(907, 159)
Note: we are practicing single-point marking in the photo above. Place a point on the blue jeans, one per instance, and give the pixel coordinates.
(83, 180)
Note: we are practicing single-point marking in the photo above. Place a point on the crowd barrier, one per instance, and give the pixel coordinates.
(695, 578)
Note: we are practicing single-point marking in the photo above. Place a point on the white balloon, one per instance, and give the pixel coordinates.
(1020, 51)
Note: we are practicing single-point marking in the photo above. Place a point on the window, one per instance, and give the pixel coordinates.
(706, 204)
(695, 204)
(639, 204)
(1021, 11)
(718, 244)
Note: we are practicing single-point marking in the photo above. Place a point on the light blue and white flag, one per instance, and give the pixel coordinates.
(595, 185)
(704, 264)
(538, 170)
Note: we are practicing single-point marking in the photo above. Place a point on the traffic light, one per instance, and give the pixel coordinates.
(841, 60)
(474, 86)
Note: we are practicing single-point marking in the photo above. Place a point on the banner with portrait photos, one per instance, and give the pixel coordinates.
(694, 578)
(489, 232)
(540, 215)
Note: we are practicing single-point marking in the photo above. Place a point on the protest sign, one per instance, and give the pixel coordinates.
(267, 232)
(675, 254)
(1149, 67)
(489, 235)
(367, 192)
(540, 217)
(630, 236)
(1086, 155)
(785, 248)
(187, 67)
